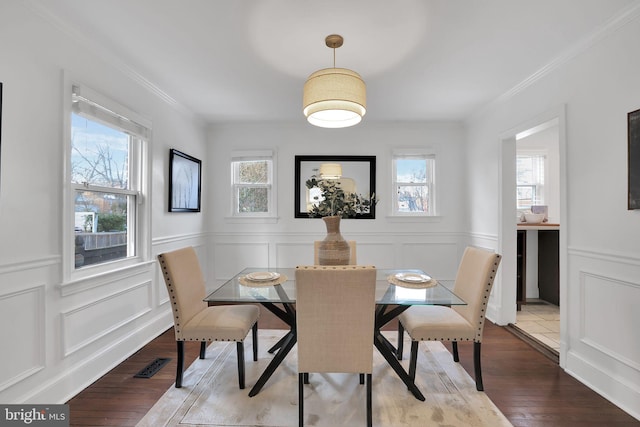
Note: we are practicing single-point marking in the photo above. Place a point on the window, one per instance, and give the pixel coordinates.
(530, 170)
(106, 158)
(252, 184)
(414, 184)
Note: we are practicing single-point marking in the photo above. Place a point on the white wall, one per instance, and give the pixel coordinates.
(434, 244)
(600, 284)
(58, 339)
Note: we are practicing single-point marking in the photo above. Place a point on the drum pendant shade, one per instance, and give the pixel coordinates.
(334, 97)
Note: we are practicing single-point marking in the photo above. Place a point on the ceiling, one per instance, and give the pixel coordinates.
(246, 60)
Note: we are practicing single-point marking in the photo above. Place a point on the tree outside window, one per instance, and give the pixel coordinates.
(252, 186)
(413, 185)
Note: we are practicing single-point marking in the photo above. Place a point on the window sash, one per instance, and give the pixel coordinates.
(99, 109)
(428, 184)
(237, 185)
(530, 175)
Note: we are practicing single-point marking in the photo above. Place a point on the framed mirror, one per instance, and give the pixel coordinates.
(356, 174)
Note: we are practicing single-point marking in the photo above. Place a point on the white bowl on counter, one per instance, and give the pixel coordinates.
(532, 218)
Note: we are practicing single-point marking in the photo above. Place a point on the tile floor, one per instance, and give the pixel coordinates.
(541, 320)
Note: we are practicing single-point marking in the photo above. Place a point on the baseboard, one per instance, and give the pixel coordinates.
(71, 381)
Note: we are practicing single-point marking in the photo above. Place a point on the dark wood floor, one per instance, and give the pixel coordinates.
(529, 388)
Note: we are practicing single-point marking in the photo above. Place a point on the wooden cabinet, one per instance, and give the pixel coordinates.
(548, 266)
(521, 275)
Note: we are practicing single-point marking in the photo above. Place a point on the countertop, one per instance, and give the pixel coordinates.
(538, 226)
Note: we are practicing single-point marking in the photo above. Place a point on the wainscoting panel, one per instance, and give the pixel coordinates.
(379, 254)
(603, 348)
(231, 258)
(436, 253)
(607, 295)
(439, 260)
(81, 326)
(22, 317)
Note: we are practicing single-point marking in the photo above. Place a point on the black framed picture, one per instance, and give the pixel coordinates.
(356, 174)
(633, 124)
(185, 178)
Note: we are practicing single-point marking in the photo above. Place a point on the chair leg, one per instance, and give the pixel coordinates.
(454, 346)
(413, 359)
(369, 402)
(240, 347)
(301, 399)
(361, 378)
(180, 364)
(400, 340)
(254, 336)
(306, 377)
(203, 349)
(476, 365)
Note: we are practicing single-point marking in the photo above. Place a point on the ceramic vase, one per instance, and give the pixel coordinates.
(333, 250)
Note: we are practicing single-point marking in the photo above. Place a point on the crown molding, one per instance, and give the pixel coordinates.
(619, 20)
(106, 55)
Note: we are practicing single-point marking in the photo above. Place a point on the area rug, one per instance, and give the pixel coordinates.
(210, 395)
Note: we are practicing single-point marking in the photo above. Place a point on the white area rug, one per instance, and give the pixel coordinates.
(210, 395)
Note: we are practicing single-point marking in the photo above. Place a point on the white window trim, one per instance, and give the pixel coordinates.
(70, 274)
(533, 152)
(429, 152)
(266, 218)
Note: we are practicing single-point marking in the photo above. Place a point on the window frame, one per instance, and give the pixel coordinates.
(239, 156)
(539, 188)
(139, 214)
(428, 155)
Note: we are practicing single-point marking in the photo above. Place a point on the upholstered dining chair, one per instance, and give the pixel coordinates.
(473, 284)
(335, 310)
(194, 320)
(353, 260)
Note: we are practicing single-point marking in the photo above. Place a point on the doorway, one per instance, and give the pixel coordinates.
(527, 308)
(538, 190)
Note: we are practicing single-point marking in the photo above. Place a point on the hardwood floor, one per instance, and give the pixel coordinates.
(530, 389)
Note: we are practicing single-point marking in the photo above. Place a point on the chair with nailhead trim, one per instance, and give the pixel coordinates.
(194, 320)
(335, 315)
(473, 284)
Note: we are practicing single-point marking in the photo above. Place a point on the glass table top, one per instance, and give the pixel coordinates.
(386, 293)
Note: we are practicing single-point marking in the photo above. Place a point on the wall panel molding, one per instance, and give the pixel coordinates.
(117, 310)
(25, 355)
(66, 383)
(606, 255)
(605, 293)
(105, 279)
(30, 264)
(168, 240)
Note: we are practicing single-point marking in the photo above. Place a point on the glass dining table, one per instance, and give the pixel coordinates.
(276, 291)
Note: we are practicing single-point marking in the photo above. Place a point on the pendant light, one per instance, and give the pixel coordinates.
(334, 97)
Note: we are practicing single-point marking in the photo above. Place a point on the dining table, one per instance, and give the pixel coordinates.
(275, 289)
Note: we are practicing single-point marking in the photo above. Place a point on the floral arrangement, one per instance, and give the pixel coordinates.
(333, 201)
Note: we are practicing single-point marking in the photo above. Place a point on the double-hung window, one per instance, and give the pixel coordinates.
(530, 173)
(413, 184)
(107, 219)
(252, 184)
